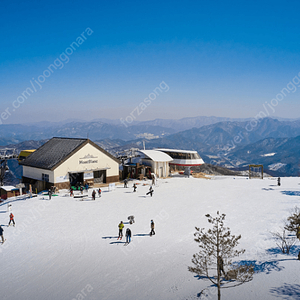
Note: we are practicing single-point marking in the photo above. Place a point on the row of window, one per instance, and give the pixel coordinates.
(180, 155)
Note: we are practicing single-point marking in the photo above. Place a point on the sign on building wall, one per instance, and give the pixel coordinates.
(88, 175)
(88, 159)
(62, 178)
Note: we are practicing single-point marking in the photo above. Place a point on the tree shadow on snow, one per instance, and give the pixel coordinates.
(291, 193)
(265, 267)
(293, 251)
(287, 291)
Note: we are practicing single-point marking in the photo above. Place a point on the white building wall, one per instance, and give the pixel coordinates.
(86, 159)
(36, 173)
(156, 167)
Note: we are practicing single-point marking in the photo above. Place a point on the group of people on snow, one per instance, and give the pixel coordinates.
(11, 220)
(128, 231)
(93, 193)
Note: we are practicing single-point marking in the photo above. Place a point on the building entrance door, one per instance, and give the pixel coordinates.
(76, 179)
(100, 176)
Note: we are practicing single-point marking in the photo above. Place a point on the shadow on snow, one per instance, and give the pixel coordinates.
(291, 193)
(287, 291)
(293, 251)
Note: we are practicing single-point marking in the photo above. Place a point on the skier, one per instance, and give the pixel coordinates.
(125, 183)
(134, 187)
(94, 195)
(50, 194)
(220, 265)
(11, 219)
(278, 181)
(99, 192)
(150, 191)
(152, 232)
(71, 192)
(81, 189)
(128, 235)
(1, 234)
(121, 226)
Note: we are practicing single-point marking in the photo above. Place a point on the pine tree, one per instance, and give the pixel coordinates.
(293, 222)
(217, 249)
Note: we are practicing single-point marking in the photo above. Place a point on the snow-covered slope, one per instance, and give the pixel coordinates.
(64, 248)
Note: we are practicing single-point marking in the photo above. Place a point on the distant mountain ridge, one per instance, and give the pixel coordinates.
(232, 144)
(113, 129)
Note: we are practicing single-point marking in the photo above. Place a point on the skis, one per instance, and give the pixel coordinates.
(119, 238)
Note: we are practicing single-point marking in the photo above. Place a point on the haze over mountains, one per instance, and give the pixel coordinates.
(233, 143)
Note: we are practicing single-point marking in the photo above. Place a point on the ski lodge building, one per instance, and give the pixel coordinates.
(62, 162)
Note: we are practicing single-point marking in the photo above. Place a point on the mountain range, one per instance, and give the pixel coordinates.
(232, 143)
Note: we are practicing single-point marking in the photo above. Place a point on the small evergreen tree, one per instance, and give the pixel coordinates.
(293, 222)
(217, 249)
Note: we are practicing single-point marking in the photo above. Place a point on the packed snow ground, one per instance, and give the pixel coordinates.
(65, 248)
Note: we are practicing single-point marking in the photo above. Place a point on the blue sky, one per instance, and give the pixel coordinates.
(217, 58)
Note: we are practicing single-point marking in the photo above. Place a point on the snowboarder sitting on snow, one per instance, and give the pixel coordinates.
(152, 232)
(131, 219)
(99, 192)
(128, 235)
(121, 226)
(94, 195)
(150, 191)
(11, 219)
(134, 187)
(1, 234)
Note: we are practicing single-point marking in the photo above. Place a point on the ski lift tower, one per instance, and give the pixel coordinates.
(5, 155)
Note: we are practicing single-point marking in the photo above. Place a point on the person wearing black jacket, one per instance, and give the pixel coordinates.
(1, 234)
(128, 235)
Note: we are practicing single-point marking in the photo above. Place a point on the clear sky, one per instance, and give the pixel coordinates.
(203, 58)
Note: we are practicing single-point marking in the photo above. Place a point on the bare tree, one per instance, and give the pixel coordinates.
(283, 241)
(217, 249)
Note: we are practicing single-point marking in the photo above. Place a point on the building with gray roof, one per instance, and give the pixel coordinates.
(63, 162)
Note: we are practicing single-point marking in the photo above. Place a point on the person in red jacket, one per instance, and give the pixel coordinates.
(11, 219)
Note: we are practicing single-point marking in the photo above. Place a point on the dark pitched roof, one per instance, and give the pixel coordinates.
(56, 151)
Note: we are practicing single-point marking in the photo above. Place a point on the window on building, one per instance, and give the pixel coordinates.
(45, 177)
